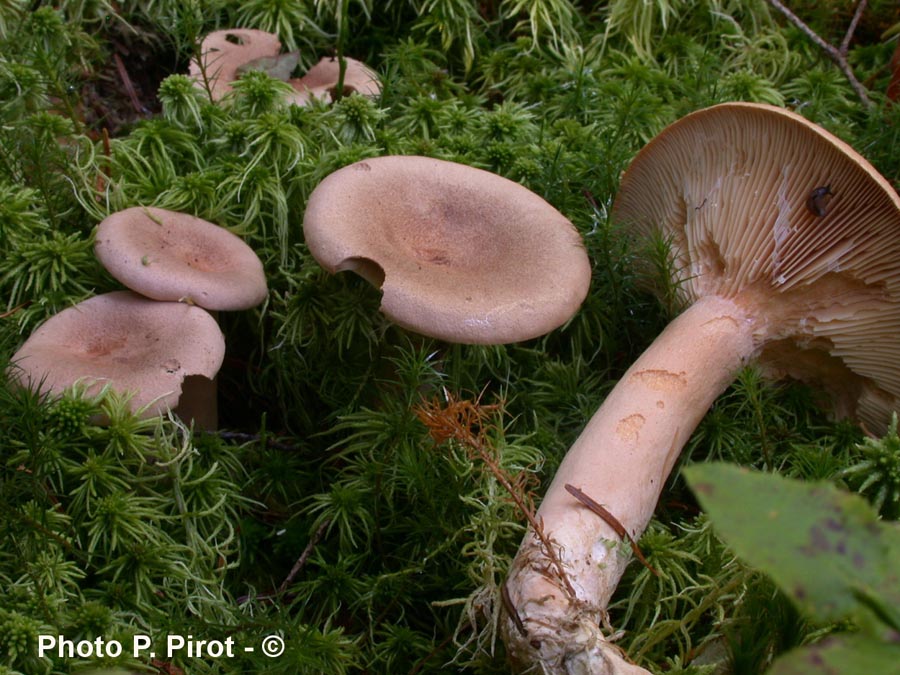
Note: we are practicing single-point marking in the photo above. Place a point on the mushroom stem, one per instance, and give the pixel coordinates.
(621, 460)
(198, 404)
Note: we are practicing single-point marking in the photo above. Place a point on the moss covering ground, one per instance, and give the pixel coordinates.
(326, 510)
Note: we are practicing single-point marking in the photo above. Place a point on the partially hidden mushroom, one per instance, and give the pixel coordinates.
(133, 345)
(459, 253)
(322, 80)
(224, 52)
(786, 249)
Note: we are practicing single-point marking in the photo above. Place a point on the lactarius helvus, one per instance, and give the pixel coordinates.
(176, 257)
(167, 255)
(224, 52)
(786, 244)
(321, 81)
(460, 254)
(134, 345)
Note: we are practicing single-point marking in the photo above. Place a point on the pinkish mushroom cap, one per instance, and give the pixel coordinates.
(459, 253)
(132, 344)
(223, 52)
(763, 205)
(167, 255)
(321, 81)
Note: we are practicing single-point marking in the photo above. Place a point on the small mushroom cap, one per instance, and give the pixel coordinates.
(222, 52)
(167, 255)
(764, 206)
(460, 254)
(321, 80)
(125, 341)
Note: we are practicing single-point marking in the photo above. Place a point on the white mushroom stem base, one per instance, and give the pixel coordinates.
(621, 460)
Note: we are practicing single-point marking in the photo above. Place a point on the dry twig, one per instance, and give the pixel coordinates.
(836, 54)
(607, 517)
(301, 561)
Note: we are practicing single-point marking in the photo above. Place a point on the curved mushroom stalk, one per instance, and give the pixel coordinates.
(622, 458)
(787, 242)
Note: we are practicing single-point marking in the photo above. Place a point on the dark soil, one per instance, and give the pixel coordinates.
(123, 89)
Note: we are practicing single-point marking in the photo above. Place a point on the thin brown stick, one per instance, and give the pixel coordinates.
(301, 561)
(610, 520)
(129, 87)
(511, 610)
(15, 309)
(851, 29)
(421, 662)
(240, 437)
(536, 526)
(838, 55)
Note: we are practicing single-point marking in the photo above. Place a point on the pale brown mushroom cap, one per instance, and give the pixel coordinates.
(765, 207)
(167, 255)
(125, 341)
(222, 52)
(460, 254)
(321, 80)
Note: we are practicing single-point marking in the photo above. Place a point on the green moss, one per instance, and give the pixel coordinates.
(143, 527)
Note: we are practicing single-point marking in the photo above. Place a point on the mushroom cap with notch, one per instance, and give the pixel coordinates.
(125, 341)
(223, 52)
(460, 254)
(173, 256)
(763, 206)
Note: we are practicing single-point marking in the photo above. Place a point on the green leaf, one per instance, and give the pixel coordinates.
(857, 654)
(825, 548)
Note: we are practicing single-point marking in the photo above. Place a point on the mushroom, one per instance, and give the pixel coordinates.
(173, 256)
(459, 253)
(786, 245)
(321, 81)
(134, 345)
(224, 52)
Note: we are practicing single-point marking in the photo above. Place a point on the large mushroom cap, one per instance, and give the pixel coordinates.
(125, 341)
(763, 206)
(460, 254)
(167, 255)
(223, 52)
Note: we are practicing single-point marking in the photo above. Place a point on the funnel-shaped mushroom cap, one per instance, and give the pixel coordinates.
(125, 341)
(321, 80)
(763, 206)
(460, 254)
(167, 255)
(222, 52)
